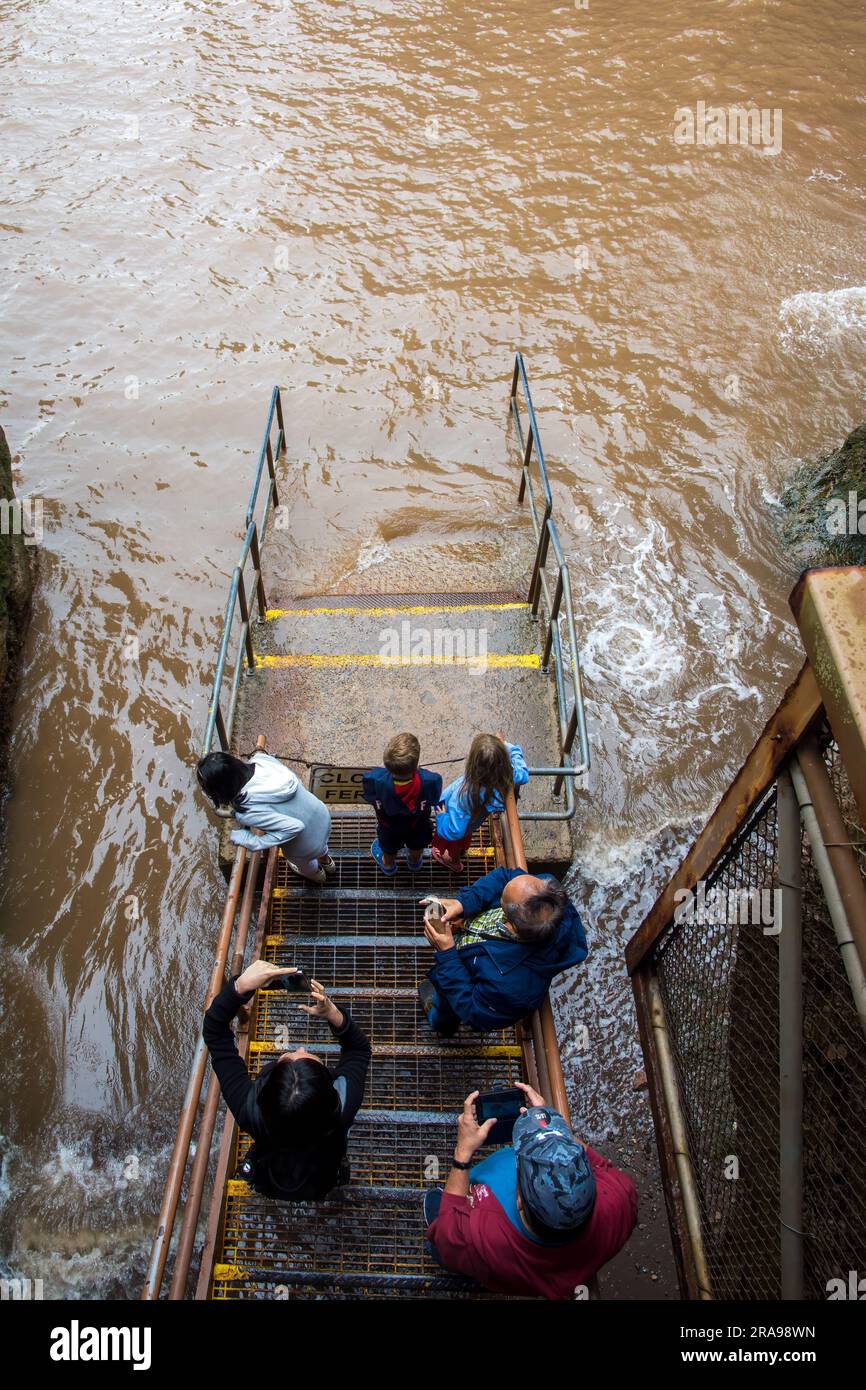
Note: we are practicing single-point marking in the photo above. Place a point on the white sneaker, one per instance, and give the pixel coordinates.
(318, 877)
(327, 863)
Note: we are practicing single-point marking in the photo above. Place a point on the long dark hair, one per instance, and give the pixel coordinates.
(298, 1102)
(487, 771)
(223, 777)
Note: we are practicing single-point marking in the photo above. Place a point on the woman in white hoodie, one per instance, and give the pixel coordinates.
(273, 807)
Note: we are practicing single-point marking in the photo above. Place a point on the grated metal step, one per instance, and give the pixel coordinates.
(391, 1019)
(472, 599)
(357, 872)
(325, 914)
(441, 1081)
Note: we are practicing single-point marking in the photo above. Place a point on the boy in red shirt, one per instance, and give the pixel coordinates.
(539, 1216)
(404, 797)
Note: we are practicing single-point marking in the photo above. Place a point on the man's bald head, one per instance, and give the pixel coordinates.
(534, 907)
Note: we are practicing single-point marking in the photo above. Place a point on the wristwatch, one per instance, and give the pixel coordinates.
(464, 1167)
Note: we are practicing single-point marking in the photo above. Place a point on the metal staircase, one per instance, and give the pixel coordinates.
(309, 679)
(362, 935)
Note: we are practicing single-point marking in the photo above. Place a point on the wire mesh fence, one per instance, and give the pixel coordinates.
(834, 1080)
(717, 967)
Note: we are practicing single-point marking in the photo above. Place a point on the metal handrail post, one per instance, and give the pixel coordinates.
(235, 691)
(183, 1138)
(549, 1051)
(245, 620)
(572, 725)
(221, 731)
(214, 715)
(257, 567)
(551, 620)
(577, 682)
(254, 491)
(198, 1172)
(540, 562)
(226, 1144)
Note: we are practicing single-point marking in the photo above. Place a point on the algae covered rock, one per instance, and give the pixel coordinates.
(824, 507)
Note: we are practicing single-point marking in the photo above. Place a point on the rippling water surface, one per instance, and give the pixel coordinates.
(373, 205)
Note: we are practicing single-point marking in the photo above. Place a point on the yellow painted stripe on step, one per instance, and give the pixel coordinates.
(228, 1274)
(387, 612)
(236, 1187)
(497, 661)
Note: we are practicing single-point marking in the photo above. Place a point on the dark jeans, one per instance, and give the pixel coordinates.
(441, 1017)
(431, 1210)
(392, 838)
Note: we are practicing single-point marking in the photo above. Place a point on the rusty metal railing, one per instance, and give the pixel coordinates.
(537, 1059)
(244, 863)
(557, 605)
(749, 978)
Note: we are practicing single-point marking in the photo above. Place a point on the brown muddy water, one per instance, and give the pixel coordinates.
(374, 205)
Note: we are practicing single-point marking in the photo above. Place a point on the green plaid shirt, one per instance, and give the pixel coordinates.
(485, 924)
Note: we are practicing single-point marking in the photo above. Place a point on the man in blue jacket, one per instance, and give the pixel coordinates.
(514, 933)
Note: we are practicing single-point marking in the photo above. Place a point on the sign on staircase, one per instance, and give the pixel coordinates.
(337, 786)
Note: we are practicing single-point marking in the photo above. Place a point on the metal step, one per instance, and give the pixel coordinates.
(365, 1241)
(435, 1081)
(376, 602)
(239, 1283)
(392, 1017)
(371, 964)
(357, 872)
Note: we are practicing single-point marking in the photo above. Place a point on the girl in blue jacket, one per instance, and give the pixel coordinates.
(492, 767)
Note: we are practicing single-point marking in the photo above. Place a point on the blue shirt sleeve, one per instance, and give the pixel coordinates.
(453, 822)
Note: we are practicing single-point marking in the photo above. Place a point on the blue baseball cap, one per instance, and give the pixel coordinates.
(553, 1172)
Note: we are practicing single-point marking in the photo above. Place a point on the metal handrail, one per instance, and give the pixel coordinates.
(183, 1139)
(253, 545)
(542, 1022)
(572, 724)
(570, 711)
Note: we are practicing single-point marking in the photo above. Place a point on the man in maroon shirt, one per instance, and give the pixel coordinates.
(539, 1216)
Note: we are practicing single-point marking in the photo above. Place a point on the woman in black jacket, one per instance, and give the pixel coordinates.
(297, 1110)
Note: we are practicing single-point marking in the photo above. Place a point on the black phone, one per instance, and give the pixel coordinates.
(292, 984)
(503, 1107)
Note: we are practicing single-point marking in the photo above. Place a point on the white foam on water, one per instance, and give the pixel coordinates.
(614, 883)
(104, 1264)
(73, 1218)
(5, 1166)
(814, 321)
(632, 654)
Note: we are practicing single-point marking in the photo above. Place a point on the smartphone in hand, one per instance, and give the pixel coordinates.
(292, 984)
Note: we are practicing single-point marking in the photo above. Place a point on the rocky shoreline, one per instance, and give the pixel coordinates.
(17, 566)
(823, 507)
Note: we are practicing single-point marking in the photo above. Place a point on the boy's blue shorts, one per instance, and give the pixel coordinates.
(393, 838)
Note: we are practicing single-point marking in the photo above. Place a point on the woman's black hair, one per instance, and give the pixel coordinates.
(223, 777)
(297, 1101)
